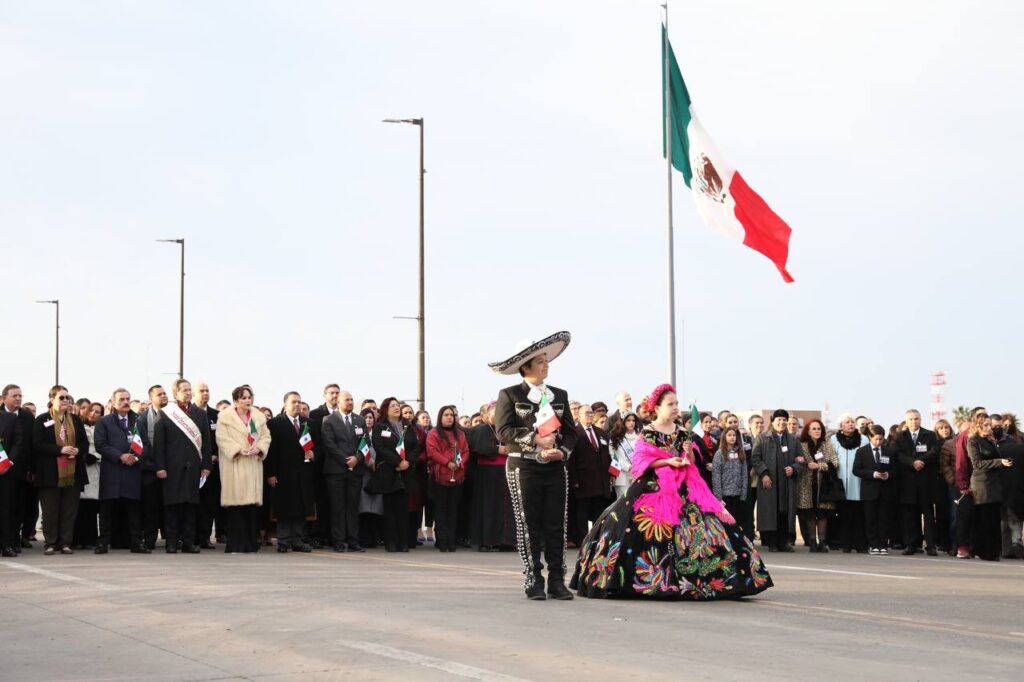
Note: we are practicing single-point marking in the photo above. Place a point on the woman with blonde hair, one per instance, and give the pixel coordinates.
(243, 440)
(59, 444)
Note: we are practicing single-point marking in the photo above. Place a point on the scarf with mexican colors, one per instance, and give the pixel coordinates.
(64, 434)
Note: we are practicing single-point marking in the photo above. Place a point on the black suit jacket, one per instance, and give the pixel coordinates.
(341, 442)
(117, 480)
(515, 417)
(916, 486)
(148, 460)
(293, 495)
(44, 444)
(9, 432)
(316, 426)
(386, 478)
(174, 453)
(24, 463)
(864, 467)
(588, 468)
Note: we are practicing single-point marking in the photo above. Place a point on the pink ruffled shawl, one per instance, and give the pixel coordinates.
(665, 504)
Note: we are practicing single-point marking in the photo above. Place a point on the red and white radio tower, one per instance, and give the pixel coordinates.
(938, 396)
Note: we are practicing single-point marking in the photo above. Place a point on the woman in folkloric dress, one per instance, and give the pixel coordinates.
(668, 536)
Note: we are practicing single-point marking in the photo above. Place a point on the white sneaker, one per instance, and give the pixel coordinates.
(874, 551)
(883, 552)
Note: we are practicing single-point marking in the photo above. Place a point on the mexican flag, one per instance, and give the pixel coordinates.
(364, 449)
(724, 199)
(613, 470)
(401, 445)
(5, 461)
(695, 428)
(136, 442)
(305, 440)
(547, 421)
(458, 457)
(252, 431)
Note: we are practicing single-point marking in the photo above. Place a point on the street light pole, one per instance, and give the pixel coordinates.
(181, 311)
(420, 317)
(56, 362)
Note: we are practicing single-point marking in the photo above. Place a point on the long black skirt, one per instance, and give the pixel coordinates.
(494, 525)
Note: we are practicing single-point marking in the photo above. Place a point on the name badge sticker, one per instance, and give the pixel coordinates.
(922, 448)
(746, 446)
(785, 448)
(818, 456)
(213, 426)
(359, 431)
(385, 434)
(48, 423)
(604, 442)
(883, 459)
(733, 456)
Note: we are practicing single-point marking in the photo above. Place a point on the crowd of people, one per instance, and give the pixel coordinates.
(125, 473)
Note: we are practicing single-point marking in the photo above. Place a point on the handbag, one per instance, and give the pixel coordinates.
(832, 488)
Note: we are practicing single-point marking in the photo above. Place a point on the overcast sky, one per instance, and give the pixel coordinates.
(886, 134)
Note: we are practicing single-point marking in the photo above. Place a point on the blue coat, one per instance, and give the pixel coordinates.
(851, 482)
(117, 480)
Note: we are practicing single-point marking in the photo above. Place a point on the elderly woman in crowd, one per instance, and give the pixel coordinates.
(243, 440)
(59, 444)
(845, 444)
(821, 460)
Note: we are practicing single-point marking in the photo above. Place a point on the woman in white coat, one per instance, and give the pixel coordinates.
(243, 440)
(848, 529)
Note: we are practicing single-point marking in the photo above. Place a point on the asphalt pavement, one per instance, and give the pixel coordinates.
(431, 616)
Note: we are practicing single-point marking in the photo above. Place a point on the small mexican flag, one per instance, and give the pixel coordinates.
(364, 449)
(695, 428)
(547, 420)
(724, 199)
(136, 442)
(252, 431)
(306, 440)
(401, 445)
(458, 457)
(613, 470)
(5, 461)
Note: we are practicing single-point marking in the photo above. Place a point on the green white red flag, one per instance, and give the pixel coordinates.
(305, 440)
(252, 431)
(547, 421)
(136, 442)
(5, 461)
(364, 449)
(724, 199)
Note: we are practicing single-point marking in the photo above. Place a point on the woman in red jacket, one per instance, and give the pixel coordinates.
(447, 452)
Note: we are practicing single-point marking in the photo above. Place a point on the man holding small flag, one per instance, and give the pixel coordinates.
(533, 420)
(289, 471)
(119, 445)
(345, 445)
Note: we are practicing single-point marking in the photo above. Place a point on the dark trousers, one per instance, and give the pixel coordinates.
(778, 538)
(243, 528)
(209, 508)
(737, 506)
(965, 520)
(370, 532)
(60, 508)
(912, 514)
(852, 526)
(748, 519)
(396, 520)
(86, 522)
(122, 508)
(10, 518)
(876, 522)
(988, 541)
(344, 492)
(291, 531)
(179, 524)
(152, 506)
(322, 525)
(587, 510)
(942, 520)
(539, 494)
(446, 513)
(28, 506)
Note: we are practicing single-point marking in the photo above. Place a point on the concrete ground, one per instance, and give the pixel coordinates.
(432, 616)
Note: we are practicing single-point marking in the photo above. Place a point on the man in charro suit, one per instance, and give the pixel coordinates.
(536, 469)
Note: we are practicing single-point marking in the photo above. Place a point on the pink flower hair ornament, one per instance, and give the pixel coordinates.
(652, 400)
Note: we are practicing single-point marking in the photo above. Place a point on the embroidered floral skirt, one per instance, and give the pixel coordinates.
(700, 557)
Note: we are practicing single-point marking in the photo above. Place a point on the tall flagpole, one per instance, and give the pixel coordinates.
(671, 239)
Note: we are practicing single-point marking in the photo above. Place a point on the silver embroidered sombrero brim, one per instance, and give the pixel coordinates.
(553, 345)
